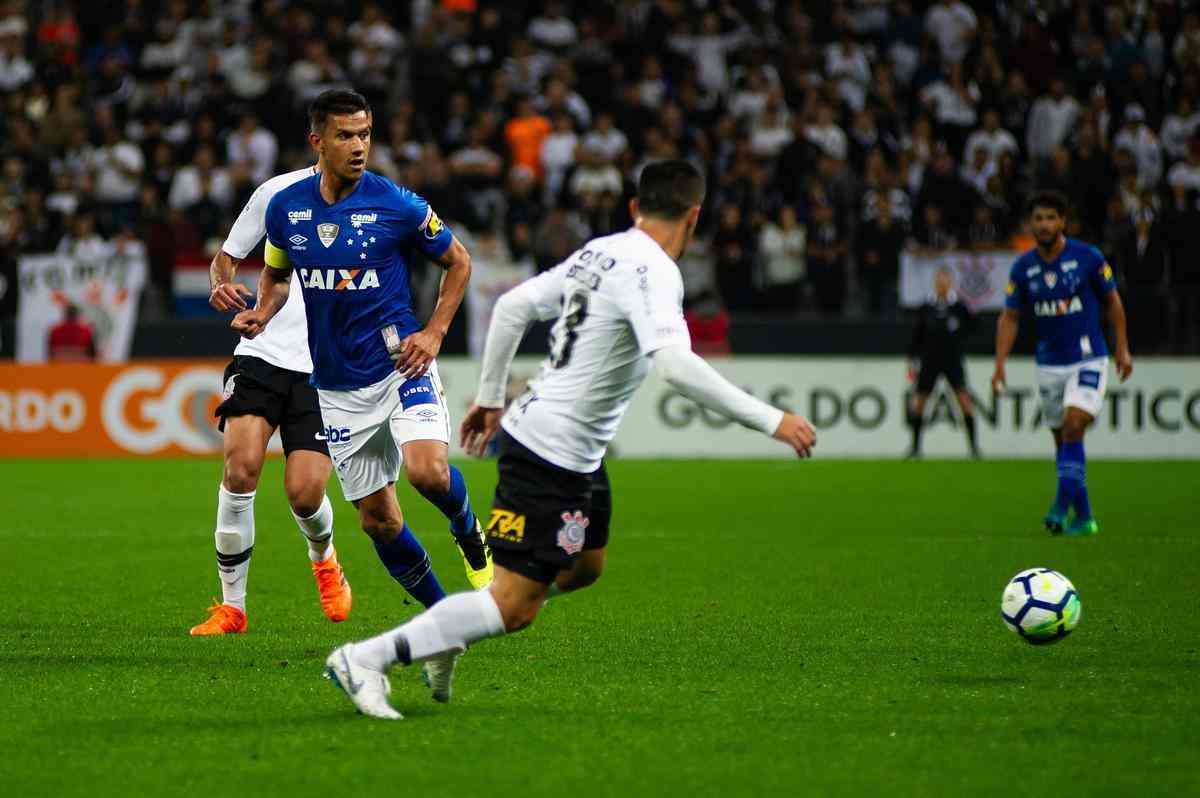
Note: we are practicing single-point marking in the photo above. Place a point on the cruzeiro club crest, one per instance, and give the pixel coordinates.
(573, 532)
(1051, 279)
(327, 232)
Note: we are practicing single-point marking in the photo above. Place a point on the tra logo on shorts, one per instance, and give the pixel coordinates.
(573, 532)
(506, 525)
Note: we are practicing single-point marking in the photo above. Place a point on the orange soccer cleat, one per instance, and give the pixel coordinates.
(333, 587)
(223, 619)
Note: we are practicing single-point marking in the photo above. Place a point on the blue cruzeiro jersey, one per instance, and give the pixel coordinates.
(1065, 298)
(352, 260)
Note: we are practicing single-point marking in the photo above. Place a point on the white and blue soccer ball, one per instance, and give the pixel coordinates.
(1041, 605)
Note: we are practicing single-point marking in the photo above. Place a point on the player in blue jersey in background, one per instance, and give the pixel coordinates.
(1068, 287)
(349, 234)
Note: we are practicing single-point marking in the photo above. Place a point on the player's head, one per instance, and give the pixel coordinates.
(943, 281)
(1047, 216)
(340, 131)
(670, 191)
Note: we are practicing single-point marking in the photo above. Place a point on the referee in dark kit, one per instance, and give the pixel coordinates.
(936, 350)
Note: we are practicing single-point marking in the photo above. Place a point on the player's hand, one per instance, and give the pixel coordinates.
(1124, 364)
(999, 381)
(478, 427)
(249, 322)
(417, 351)
(796, 432)
(229, 296)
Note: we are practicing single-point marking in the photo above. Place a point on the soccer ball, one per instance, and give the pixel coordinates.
(1041, 605)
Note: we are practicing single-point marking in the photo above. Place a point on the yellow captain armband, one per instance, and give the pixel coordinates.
(275, 257)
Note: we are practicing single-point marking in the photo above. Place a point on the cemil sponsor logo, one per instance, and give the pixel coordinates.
(300, 216)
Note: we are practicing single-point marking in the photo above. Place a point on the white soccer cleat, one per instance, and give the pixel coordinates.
(439, 675)
(366, 687)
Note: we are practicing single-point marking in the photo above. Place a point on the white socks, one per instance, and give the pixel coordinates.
(450, 625)
(318, 531)
(235, 542)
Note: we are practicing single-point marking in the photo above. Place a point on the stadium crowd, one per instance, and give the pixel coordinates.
(834, 134)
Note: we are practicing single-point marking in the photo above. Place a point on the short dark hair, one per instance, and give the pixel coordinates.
(1047, 199)
(667, 189)
(335, 102)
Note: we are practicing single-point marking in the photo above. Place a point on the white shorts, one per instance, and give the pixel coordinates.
(367, 427)
(1081, 385)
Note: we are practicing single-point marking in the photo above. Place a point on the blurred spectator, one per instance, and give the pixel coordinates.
(781, 247)
(201, 181)
(710, 46)
(984, 232)
(117, 167)
(880, 241)
(1178, 127)
(72, 338)
(827, 250)
(1050, 120)
(953, 25)
(15, 69)
(525, 133)
(1140, 140)
(990, 138)
(558, 154)
(733, 246)
(81, 240)
(953, 102)
(708, 324)
(1142, 259)
(254, 148)
(826, 134)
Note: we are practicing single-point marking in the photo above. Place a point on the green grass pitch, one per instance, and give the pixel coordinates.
(764, 628)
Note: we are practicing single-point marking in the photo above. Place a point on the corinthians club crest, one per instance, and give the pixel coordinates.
(327, 232)
(573, 532)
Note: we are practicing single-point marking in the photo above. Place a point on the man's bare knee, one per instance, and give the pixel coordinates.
(517, 613)
(241, 475)
(429, 478)
(380, 519)
(305, 499)
(584, 573)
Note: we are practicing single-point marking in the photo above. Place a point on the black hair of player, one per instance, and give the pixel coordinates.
(335, 102)
(668, 189)
(1046, 198)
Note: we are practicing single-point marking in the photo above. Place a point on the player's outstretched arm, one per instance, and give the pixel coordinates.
(273, 289)
(533, 300)
(418, 350)
(688, 373)
(1006, 335)
(1114, 309)
(225, 295)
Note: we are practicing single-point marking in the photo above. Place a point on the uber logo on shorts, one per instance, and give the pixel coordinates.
(417, 391)
(1089, 379)
(506, 525)
(334, 435)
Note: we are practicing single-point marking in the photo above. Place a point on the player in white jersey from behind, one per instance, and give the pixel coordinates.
(619, 305)
(267, 387)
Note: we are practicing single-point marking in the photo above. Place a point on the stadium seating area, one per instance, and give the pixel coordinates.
(833, 134)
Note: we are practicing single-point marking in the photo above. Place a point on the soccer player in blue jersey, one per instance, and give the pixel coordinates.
(1068, 287)
(349, 234)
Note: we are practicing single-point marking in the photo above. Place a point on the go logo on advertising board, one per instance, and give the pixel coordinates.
(144, 413)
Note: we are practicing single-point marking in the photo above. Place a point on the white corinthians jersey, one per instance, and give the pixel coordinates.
(284, 341)
(617, 300)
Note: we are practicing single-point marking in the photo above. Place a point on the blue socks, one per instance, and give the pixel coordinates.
(408, 563)
(455, 504)
(1071, 476)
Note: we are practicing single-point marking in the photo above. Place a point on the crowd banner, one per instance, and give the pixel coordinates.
(106, 291)
(165, 408)
(979, 277)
